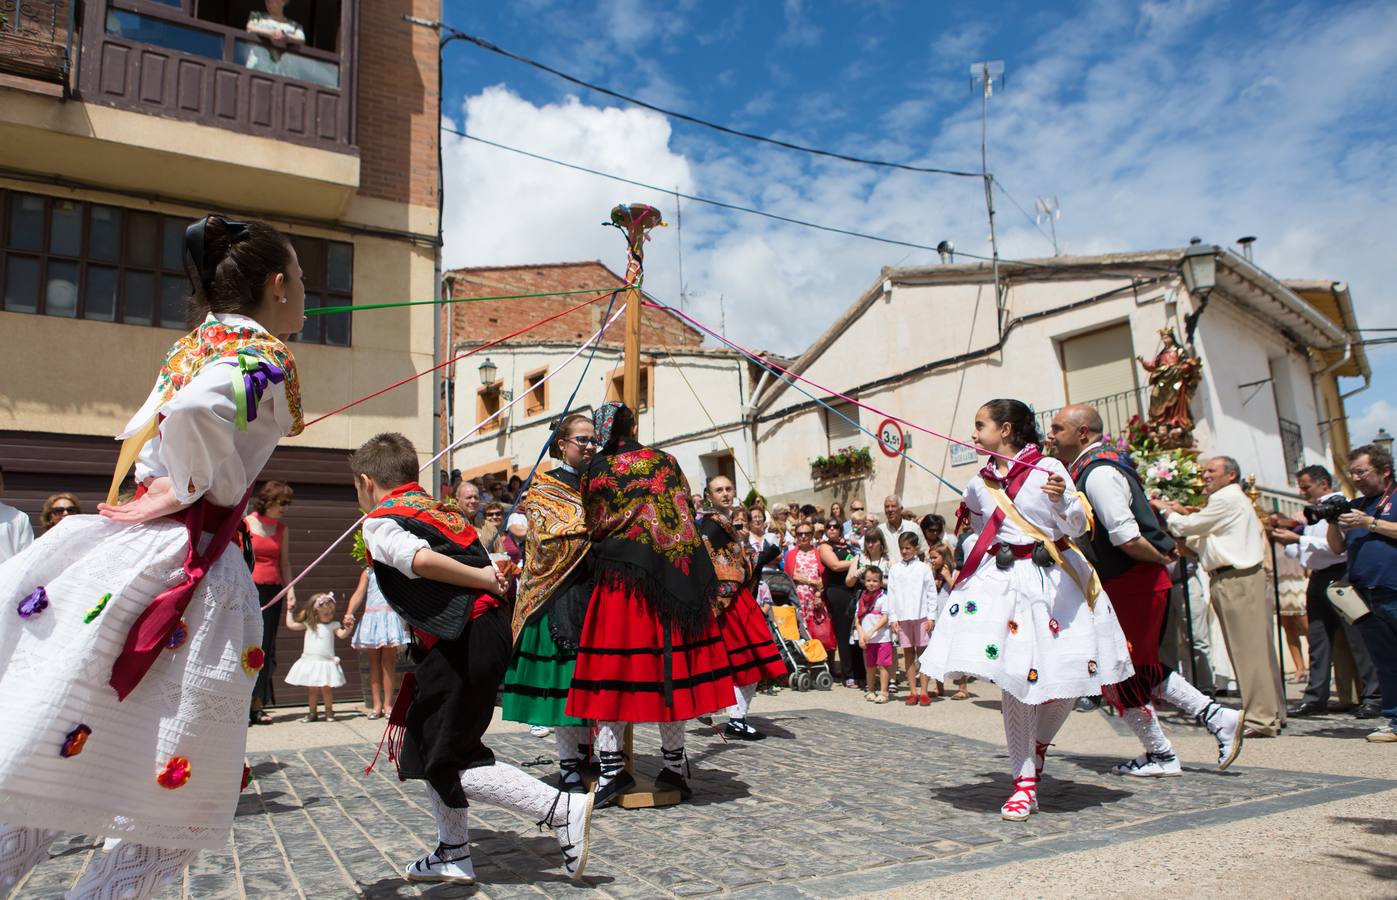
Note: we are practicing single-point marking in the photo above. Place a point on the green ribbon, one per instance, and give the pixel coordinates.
(328, 310)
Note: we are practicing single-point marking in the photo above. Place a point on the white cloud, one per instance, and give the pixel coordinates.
(800, 31)
(1363, 426)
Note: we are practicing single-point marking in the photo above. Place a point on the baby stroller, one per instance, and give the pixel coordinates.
(807, 658)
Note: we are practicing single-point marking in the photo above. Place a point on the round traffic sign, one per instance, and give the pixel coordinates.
(891, 438)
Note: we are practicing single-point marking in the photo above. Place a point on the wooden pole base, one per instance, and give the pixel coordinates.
(643, 795)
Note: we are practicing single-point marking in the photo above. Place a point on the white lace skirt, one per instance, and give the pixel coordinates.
(191, 706)
(1028, 629)
(316, 671)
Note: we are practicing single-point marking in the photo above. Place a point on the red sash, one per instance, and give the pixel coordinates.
(1018, 473)
(149, 633)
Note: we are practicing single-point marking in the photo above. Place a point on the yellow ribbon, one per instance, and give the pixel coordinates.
(1092, 589)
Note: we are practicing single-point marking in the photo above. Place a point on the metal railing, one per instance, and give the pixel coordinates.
(1116, 410)
(36, 39)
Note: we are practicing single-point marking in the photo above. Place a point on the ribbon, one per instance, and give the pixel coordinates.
(1022, 465)
(250, 381)
(152, 628)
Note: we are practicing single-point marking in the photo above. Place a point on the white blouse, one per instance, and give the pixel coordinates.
(1057, 520)
(198, 446)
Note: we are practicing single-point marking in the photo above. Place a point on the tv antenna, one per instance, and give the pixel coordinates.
(1048, 208)
(987, 75)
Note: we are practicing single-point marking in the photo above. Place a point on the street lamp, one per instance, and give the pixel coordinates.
(488, 370)
(1383, 440)
(1200, 271)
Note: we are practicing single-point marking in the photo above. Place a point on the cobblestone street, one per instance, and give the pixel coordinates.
(833, 804)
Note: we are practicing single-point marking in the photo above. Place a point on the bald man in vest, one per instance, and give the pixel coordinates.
(1130, 549)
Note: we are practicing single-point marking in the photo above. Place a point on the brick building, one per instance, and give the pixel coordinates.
(123, 122)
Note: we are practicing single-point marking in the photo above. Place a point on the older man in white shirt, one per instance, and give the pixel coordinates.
(15, 531)
(1310, 547)
(1226, 535)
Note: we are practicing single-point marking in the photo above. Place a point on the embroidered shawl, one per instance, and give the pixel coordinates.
(731, 556)
(554, 545)
(640, 518)
(1108, 454)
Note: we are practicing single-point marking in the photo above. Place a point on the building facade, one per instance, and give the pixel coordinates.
(1067, 330)
(126, 120)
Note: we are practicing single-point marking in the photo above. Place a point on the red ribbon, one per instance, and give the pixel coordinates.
(1018, 474)
(146, 639)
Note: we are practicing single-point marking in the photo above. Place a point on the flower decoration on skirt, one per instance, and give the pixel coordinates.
(175, 774)
(253, 659)
(992, 651)
(970, 607)
(178, 636)
(1032, 676)
(955, 609)
(75, 741)
(1054, 627)
(96, 611)
(1013, 627)
(1091, 667)
(34, 604)
(247, 777)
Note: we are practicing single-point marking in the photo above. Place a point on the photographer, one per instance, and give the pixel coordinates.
(1310, 547)
(1368, 533)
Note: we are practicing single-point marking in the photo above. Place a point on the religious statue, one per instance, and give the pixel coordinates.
(1174, 376)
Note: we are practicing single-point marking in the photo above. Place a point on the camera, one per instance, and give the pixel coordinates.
(1328, 510)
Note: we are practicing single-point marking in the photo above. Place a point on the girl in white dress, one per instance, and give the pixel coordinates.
(319, 668)
(1026, 611)
(128, 660)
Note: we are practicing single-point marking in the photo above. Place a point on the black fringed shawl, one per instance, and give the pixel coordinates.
(641, 520)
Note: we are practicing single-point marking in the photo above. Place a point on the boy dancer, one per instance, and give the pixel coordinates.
(437, 576)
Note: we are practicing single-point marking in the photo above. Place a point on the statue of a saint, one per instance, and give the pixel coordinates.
(1174, 376)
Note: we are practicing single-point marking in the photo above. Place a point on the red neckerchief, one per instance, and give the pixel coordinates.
(867, 600)
(410, 501)
(1011, 481)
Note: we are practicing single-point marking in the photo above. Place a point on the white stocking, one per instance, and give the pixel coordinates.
(1050, 717)
(1176, 691)
(130, 871)
(1020, 730)
(609, 754)
(742, 701)
(573, 744)
(672, 745)
(21, 849)
(1145, 723)
(503, 785)
(452, 829)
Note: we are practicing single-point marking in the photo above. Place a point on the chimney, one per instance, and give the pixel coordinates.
(1246, 243)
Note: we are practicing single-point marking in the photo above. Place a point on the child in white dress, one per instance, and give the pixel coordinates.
(319, 668)
(1026, 611)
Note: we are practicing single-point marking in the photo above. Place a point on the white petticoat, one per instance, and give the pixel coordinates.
(999, 626)
(192, 703)
(316, 671)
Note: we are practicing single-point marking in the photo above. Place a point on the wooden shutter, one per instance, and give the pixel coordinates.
(1099, 364)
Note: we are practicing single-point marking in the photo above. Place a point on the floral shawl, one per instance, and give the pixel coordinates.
(732, 558)
(639, 516)
(554, 546)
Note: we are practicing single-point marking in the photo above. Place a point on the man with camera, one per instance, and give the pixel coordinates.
(1310, 547)
(1368, 534)
(1226, 535)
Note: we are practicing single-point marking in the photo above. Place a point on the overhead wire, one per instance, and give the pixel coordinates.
(360, 307)
(694, 120)
(699, 400)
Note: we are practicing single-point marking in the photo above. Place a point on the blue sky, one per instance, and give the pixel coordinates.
(1150, 122)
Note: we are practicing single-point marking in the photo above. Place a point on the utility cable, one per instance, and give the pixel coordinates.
(699, 400)
(360, 307)
(693, 120)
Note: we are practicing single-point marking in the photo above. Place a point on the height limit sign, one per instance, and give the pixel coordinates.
(892, 440)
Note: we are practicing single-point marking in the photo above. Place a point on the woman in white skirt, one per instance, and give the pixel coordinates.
(131, 640)
(1026, 611)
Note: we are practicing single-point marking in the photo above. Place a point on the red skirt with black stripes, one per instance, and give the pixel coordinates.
(620, 675)
(747, 638)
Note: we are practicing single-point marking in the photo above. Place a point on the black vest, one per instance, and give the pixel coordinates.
(1108, 560)
(437, 608)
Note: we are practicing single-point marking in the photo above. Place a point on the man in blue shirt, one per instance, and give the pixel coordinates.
(1368, 533)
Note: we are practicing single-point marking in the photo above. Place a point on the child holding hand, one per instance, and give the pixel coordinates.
(875, 635)
(319, 668)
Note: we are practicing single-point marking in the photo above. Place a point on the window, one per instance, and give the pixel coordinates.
(328, 270)
(839, 430)
(1099, 368)
(76, 259)
(535, 392)
(487, 403)
(616, 385)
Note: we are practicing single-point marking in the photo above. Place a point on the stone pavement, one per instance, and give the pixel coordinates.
(833, 804)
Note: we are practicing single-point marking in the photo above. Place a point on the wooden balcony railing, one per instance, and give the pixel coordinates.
(36, 39)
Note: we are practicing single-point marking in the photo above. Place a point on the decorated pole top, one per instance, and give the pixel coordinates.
(636, 220)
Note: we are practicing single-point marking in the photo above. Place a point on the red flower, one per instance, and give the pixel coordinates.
(178, 636)
(253, 659)
(76, 740)
(175, 774)
(646, 453)
(247, 777)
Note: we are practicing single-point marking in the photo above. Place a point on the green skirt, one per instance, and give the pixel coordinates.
(536, 685)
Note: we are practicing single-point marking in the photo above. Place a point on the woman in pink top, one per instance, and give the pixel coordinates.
(271, 570)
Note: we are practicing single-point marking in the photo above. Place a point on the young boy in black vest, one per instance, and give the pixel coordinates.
(434, 572)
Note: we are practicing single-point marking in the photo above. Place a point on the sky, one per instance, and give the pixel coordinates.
(1149, 122)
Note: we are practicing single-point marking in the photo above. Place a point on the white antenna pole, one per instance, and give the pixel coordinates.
(1050, 209)
(722, 317)
(679, 243)
(986, 73)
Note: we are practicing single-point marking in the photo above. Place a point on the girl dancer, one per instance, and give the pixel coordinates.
(746, 636)
(125, 690)
(553, 591)
(1026, 611)
(650, 649)
(318, 670)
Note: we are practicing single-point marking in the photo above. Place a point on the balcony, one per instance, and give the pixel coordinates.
(155, 57)
(36, 40)
(1116, 410)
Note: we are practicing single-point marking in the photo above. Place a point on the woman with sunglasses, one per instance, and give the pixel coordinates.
(803, 566)
(836, 562)
(554, 587)
(271, 570)
(56, 507)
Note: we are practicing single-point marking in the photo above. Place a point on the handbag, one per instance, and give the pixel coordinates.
(1347, 601)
